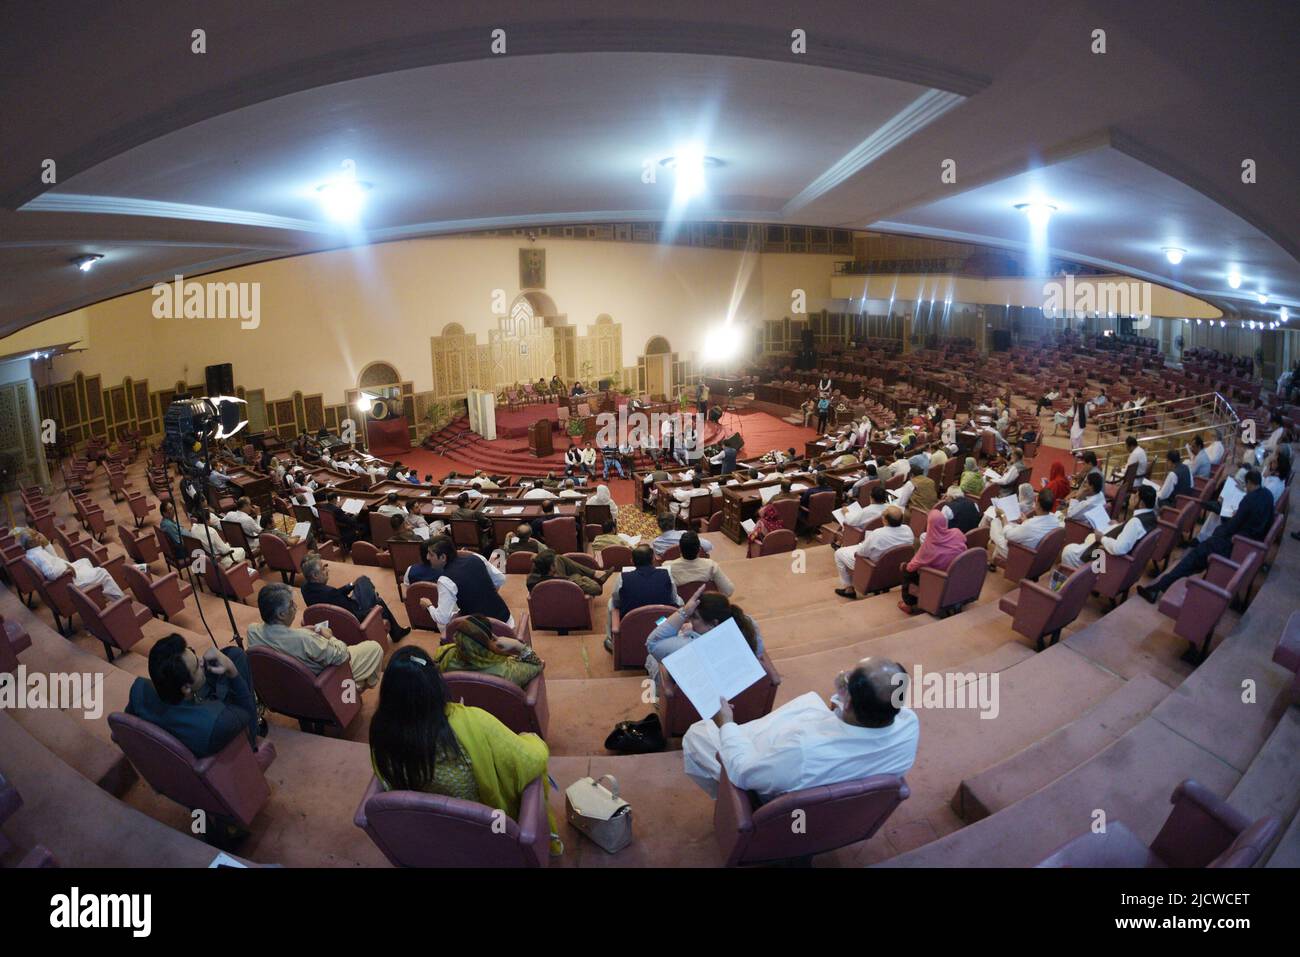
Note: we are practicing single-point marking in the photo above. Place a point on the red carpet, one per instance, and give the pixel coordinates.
(513, 424)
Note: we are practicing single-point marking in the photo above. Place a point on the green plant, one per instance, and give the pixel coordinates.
(576, 428)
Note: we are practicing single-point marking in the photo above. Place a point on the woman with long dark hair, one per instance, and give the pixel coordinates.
(420, 740)
(704, 612)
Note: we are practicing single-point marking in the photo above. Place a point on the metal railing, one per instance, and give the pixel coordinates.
(1176, 422)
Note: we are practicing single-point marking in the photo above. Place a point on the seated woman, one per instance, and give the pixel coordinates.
(1058, 483)
(474, 647)
(420, 740)
(769, 520)
(972, 479)
(940, 548)
(704, 612)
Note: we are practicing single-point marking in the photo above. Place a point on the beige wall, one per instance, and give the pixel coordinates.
(324, 317)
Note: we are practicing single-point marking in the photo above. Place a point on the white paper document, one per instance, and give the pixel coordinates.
(1097, 517)
(845, 516)
(1231, 497)
(631, 541)
(748, 525)
(1010, 505)
(798, 487)
(514, 510)
(991, 475)
(353, 506)
(301, 530)
(716, 665)
(767, 494)
(421, 531)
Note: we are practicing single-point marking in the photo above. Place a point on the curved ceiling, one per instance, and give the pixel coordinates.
(171, 161)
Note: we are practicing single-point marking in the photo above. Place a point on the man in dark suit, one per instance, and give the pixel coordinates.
(358, 597)
(1252, 519)
(350, 529)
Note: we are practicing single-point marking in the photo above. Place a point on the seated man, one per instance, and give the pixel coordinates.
(246, 517)
(399, 530)
(588, 459)
(1091, 494)
(522, 540)
(693, 568)
(644, 585)
(570, 491)
(205, 703)
(315, 646)
(548, 513)
(358, 597)
(670, 536)
(804, 744)
(1010, 479)
(549, 564)
(539, 491)
(350, 528)
(892, 533)
(464, 513)
(608, 536)
(1119, 539)
(611, 455)
(467, 584)
(924, 492)
(171, 529)
(392, 505)
(204, 527)
(86, 574)
(682, 496)
(961, 512)
(1029, 531)
(1178, 480)
(572, 459)
(1201, 467)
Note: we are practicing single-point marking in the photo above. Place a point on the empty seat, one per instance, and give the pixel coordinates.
(629, 633)
(164, 596)
(282, 557)
(1197, 604)
(1037, 611)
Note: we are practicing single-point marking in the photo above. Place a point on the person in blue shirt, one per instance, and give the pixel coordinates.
(670, 536)
(704, 612)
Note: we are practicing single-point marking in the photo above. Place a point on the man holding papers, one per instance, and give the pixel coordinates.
(1120, 539)
(804, 743)
(890, 535)
(1030, 530)
(1089, 503)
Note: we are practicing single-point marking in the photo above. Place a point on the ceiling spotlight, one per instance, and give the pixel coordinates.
(688, 165)
(87, 262)
(1284, 314)
(1038, 213)
(342, 199)
(1222, 323)
(1262, 297)
(1234, 279)
(1198, 322)
(1174, 254)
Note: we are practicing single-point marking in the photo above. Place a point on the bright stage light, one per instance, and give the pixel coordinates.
(87, 262)
(342, 199)
(1174, 254)
(1038, 213)
(721, 343)
(688, 164)
(1284, 314)
(365, 401)
(1234, 279)
(1262, 297)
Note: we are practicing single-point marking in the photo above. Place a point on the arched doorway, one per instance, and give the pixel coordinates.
(381, 381)
(658, 364)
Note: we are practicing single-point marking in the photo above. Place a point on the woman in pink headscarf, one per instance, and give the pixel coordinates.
(940, 549)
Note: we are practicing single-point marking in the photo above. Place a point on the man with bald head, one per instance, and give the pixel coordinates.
(804, 743)
(892, 533)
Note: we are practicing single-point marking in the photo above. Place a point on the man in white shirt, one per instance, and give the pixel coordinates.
(442, 555)
(682, 496)
(392, 506)
(1091, 494)
(1118, 540)
(890, 535)
(241, 516)
(86, 574)
(695, 567)
(206, 529)
(537, 491)
(805, 744)
(1028, 532)
(569, 490)
(588, 453)
(867, 515)
(1201, 465)
(1009, 479)
(1215, 449)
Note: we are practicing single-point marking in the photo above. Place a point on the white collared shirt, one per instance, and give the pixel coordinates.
(883, 539)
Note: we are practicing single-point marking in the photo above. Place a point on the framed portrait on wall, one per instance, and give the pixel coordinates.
(532, 268)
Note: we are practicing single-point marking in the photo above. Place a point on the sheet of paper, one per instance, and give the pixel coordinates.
(1010, 506)
(767, 494)
(422, 531)
(748, 526)
(353, 506)
(301, 530)
(991, 475)
(1154, 484)
(1231, 497)
(798, 487)
(631, 541)
(1097, 517)
(716, 665)
(514, 510)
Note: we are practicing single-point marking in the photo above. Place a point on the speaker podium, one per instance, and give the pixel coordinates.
(539, 438)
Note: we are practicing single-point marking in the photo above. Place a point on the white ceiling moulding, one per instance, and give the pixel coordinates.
(126, 206)
(920, 113)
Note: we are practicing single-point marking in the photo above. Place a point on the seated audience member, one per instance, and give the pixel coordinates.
(691, 567)
(602, 497)
(392, 505)
(268, 526)
(682, 496)
(1277, 431)
(1057, 483)
(924, 492)
(588, 459)
(522, 540)
(868, 514)
(467, 584)
(464, 513)
(804, 744)
(539, 492)
(1201, 467)
(398, 530)
(245, 516)
(670, 536)
(316, 647)
(1036, 521)
(1215, 451)
(608, 536)
(1009, 479)
(704, 612)
(643, 585)
(550, 564)
(892, 533)
(972, 479)
(570, 491)
(941, 548)
(572, 459)
(205, 528)
(171, 528)
(1178, 480)
(1252, 519)
(350, 527)
(422, 740)
(1089, 459)
(474, 647)
(769, 520)
(1091, 494)
(1278, 472)
(1118, 539)
(1136, 456)
(205, 703)
(358, 596)
(38, 550)
(480, 481)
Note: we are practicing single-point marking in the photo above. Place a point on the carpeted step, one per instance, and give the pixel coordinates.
(1271, 785)
(67, 735)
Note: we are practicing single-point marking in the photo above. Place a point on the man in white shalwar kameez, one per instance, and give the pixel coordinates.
(41, 553)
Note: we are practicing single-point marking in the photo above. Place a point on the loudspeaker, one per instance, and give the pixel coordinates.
(220, 379)
(1001, 340)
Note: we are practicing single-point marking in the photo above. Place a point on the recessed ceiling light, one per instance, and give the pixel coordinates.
(1234, 279)
(342, 199)
(1038, 212)
(1262, 297)
(1284, 314)
(688, 165)
(1174, 254)
(87, 262)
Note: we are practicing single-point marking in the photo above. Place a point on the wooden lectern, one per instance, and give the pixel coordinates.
(539, 438)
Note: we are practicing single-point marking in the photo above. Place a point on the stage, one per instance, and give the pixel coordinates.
(513, 424)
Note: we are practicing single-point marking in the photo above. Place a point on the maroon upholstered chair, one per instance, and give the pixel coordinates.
(520, 709)
(715, 522)
(403, 555)
(381, 528)
(1030, 563)
(559, 605)
(560, 534)
(416, 613)
(834, 815)
(288, 687)
(788, 509)
(671, 552)
(676, 713)
(1037, 611)
(1076, 531)
(596, 514)
(141, 546)
(615, 556)
(1202, 830)
(116, 624)
(499, 628)
(774, 543)
(583, 559)
(1241, 546)
(873, 578)
(520, 563)
(38, 856)
(345, 626)
(1197, 604)
(942, 593)
(230, 785)
(416, 829)
(234, 582)
(27, 578)
(978, 538)
(364, 553)
(1287, 652)
(164, 596)
(234, 535)
(1175, 524)
(464, 532)
(1122, 572)
(629, 633)
(13, 642)
(282, 557)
